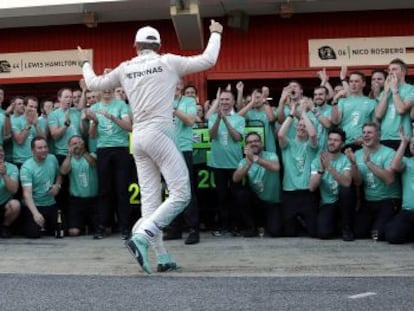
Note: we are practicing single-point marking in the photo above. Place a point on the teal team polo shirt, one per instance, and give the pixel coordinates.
(13, 172)
(374, 188)
(40, 176)
(225, 152)
(392, 120)
(22, 152)
(183, 132)
(58, 118)
(265, 183)
(109, 134)
(329, 187)
(83, 178)
(297, 158)
(356, 111)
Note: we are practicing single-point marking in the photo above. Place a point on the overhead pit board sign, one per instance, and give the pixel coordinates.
(360, 51)
(41, 64)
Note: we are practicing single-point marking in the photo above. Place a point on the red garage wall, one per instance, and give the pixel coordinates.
(272, 48)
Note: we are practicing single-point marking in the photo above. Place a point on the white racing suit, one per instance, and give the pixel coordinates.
(149, 81)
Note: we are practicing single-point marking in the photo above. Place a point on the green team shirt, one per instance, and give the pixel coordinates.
(356, 111)
(83, 178)
(256, 117)
(375, 189)
(329, 187)
(408, 184)
(109, 134)
(297, 158)
(321, 131)
(22, 152)
(40, 176)
(225, 152)
(57, 118)
(392, 120)
(265, 183)
(183, 132)
(13, 172)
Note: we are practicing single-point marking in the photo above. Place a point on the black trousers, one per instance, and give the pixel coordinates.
(82, 212)
(329, 214)
(113, 164)
(228, 216)
(401, 228)
(300, 209)
(258, 213)
(373, 216)
(32, 229)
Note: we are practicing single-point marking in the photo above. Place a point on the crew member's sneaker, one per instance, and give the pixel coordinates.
(5, 232)
(125, 234)
(138, 247)
(193, 237)
(166, 263)
(347, 235)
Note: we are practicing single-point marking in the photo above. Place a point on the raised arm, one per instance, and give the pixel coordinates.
(397, 164)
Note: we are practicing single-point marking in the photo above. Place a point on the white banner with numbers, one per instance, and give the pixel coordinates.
(360, 51)
(41, 64)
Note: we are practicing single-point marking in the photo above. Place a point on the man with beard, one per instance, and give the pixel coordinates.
(259, 113)
(353, 111)
(41, 183)
(371, 167)
(260, 201)
(80, 166)
(331, 172)
(320, 115)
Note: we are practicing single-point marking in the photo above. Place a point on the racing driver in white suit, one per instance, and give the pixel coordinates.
(149, 81)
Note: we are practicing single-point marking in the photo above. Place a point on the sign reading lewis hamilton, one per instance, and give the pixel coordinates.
(41, 64)
(360, 51)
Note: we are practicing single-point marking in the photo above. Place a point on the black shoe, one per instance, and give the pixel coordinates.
(5, 232)
(250, 233)
(99, 235)
(172, 235)
(125, 235)
(347, 235)
(217, 233)
(193, 238)
(169, 266)
(235, 232)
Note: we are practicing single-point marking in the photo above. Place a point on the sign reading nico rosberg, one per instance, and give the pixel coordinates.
(360, 51)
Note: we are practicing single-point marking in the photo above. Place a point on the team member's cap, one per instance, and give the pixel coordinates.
(148, 34)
